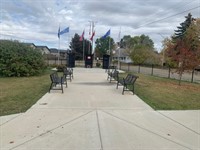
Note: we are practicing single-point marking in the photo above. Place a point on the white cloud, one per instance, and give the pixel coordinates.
(37, 21)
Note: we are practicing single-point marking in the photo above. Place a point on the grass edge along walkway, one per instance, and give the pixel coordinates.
(165, 94)
(19, 94)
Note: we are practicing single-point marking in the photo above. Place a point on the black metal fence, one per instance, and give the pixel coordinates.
(167, 72)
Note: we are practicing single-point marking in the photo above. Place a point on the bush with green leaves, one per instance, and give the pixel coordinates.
(18, 59)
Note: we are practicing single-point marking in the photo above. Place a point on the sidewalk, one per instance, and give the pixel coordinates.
(93, 115)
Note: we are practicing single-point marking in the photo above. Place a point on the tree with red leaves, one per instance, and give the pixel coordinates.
(184, 50)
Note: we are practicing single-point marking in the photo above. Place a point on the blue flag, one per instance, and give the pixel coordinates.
(106, 35)
(66, 30)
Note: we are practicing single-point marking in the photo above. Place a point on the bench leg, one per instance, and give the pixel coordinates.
(65, 81)
(133, 90)
(108, 77)
(70, 78)
(50, 87)
(62, 87)
(123, 89)
(117, 84)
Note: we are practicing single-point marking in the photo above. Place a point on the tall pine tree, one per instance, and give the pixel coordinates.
(76, 47)
(180, 32)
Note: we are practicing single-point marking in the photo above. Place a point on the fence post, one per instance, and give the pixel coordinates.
(120, 65)
(152, 69)
(169, 72)
(192, 76)
(139, 68)
(128, 67)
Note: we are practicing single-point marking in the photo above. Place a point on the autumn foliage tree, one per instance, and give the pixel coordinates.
(184, 47)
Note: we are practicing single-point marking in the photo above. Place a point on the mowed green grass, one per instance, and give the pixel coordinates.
(166, 94)
(19, 94)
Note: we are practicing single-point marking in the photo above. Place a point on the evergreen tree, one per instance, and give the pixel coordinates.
(76, 47)
(180, 32)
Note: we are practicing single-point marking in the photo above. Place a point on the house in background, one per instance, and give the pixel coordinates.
(43, 49)
(63, 53)
(122, 54)
(32, 45)
(53, 51)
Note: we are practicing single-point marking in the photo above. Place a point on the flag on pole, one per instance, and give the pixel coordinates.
(82, 36)
(66, 30)
(59, 32)
(106, 35)
(93, 34)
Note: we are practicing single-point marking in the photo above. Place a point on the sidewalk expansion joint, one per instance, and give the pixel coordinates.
(178, 123)
(147, 130)
(48, 131)
(100, 137)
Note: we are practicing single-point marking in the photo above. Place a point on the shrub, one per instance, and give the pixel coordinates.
(98, 64)
(60, 68)
(17, 59)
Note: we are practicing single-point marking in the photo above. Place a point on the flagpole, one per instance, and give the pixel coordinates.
(83, 49)
(66, 30)
(109, 50)
(89, 37)
(119, 48)
(59, 52)
(58, 45)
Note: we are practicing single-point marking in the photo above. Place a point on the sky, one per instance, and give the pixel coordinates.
(37, 21)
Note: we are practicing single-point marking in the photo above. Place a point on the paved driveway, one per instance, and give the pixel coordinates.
(93, 115)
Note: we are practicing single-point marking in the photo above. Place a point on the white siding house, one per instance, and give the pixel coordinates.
(122, 55)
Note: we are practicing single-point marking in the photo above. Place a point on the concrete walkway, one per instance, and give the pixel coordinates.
(93, 115)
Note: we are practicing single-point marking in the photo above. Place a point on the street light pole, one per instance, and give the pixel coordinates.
(118, 57)
(119, 51)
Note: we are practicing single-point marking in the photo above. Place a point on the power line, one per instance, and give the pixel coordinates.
(178, 5)
(167, 17)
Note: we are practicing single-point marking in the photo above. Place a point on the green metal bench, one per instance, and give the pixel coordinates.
(56, 80)
(127, 83)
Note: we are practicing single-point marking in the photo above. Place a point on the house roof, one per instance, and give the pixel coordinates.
(42, 47)
(29, 44)
(55, 50)
(121, 51)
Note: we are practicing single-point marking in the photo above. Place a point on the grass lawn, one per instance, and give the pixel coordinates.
(19, 94)
(166, 94)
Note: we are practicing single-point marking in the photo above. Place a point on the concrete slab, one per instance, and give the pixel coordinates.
(120, 134)
(92, 114)
(154, 123)
(5, 119)
(189, 118)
